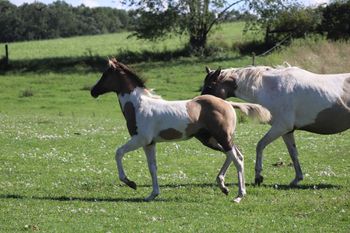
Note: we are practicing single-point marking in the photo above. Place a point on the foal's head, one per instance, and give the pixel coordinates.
(219, 84)
(117, 78)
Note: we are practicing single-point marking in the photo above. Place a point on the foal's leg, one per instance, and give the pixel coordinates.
(209, 141)
(220, 179)
(293, 152)
(269, 137)
(132, 144)
(237, 158)
(150, 152)
(241, 158)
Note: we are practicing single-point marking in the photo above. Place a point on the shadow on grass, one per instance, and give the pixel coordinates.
(90, 63)
(301, 187)
(188, 185)
(56, 64)
(83, 199)
(274, 186)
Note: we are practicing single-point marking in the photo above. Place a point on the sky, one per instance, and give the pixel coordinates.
(117, 3)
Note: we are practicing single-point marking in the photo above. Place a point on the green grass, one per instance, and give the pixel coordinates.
(57, 169)
(112, 44)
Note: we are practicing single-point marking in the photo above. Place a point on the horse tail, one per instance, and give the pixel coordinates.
(254, 111)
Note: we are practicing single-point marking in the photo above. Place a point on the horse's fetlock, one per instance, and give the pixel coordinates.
(220, 178)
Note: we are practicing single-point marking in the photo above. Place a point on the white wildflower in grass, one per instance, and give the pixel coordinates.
(327, 172)
(177, 146)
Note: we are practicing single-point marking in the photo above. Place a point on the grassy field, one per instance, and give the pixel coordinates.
(57, 145)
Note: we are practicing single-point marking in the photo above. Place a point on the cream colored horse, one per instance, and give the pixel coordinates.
(150, 119)
(296, 98)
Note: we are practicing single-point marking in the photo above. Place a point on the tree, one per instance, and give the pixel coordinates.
(336, 20)
(158, 18)
(11, 25)
(294, 22)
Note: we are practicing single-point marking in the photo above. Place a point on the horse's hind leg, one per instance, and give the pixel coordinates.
(209, 141)
(293, 152)
(150, 152)
(237, 158)
(220, 179)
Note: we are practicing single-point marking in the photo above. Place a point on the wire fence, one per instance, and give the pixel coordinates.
(254, 56)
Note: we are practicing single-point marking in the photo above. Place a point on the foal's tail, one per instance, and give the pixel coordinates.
(255, 111)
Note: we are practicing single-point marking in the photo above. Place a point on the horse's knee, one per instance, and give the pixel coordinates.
(119, 153)
(260, 146)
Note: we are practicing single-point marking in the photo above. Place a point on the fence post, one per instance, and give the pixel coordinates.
(253, 57)
(6, 55)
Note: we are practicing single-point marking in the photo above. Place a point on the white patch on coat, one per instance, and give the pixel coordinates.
(295, 95)
(154, 114)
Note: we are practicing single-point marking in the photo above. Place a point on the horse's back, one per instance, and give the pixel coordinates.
(316, 103)
(211, 111)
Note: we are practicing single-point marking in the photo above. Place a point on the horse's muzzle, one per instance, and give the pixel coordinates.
(94, 93)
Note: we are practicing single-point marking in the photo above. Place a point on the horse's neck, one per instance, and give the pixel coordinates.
(246, 91)
(246, 96)
(133, 97)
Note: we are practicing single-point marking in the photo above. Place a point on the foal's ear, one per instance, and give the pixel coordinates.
(207, 69)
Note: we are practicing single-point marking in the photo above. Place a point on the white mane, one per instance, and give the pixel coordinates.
(250, 76)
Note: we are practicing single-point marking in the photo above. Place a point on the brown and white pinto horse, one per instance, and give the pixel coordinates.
(296, 98)
(150, 119)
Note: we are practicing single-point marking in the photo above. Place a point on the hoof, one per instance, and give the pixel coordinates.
(295, 183)
(131, 184)
(151, 197)
(225, 190)
(221, 183)
(238, 199)
(259, 180)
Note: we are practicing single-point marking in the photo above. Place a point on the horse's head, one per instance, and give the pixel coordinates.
(117, 78)
(217, 84)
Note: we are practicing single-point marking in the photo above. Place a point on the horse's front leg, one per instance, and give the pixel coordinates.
(132, 144)
(269, 137)
(293, 152)
(150, 152)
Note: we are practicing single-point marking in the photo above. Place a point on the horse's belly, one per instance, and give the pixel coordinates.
(330, 121)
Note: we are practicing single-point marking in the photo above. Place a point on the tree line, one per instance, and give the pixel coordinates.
(276, 19)
(154, 19)
(331, 20)
(39, 21)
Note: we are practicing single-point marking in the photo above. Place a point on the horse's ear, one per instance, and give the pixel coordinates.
(216, 74)
(207, 69)
(112, 62)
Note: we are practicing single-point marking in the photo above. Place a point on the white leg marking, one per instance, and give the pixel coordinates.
(239, 163)
(241, 158)
(132, 144)
(269, 137)
(220, 179)
(150, 152)
(293, 152)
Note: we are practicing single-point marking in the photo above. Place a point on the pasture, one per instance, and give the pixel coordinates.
(57, 145)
